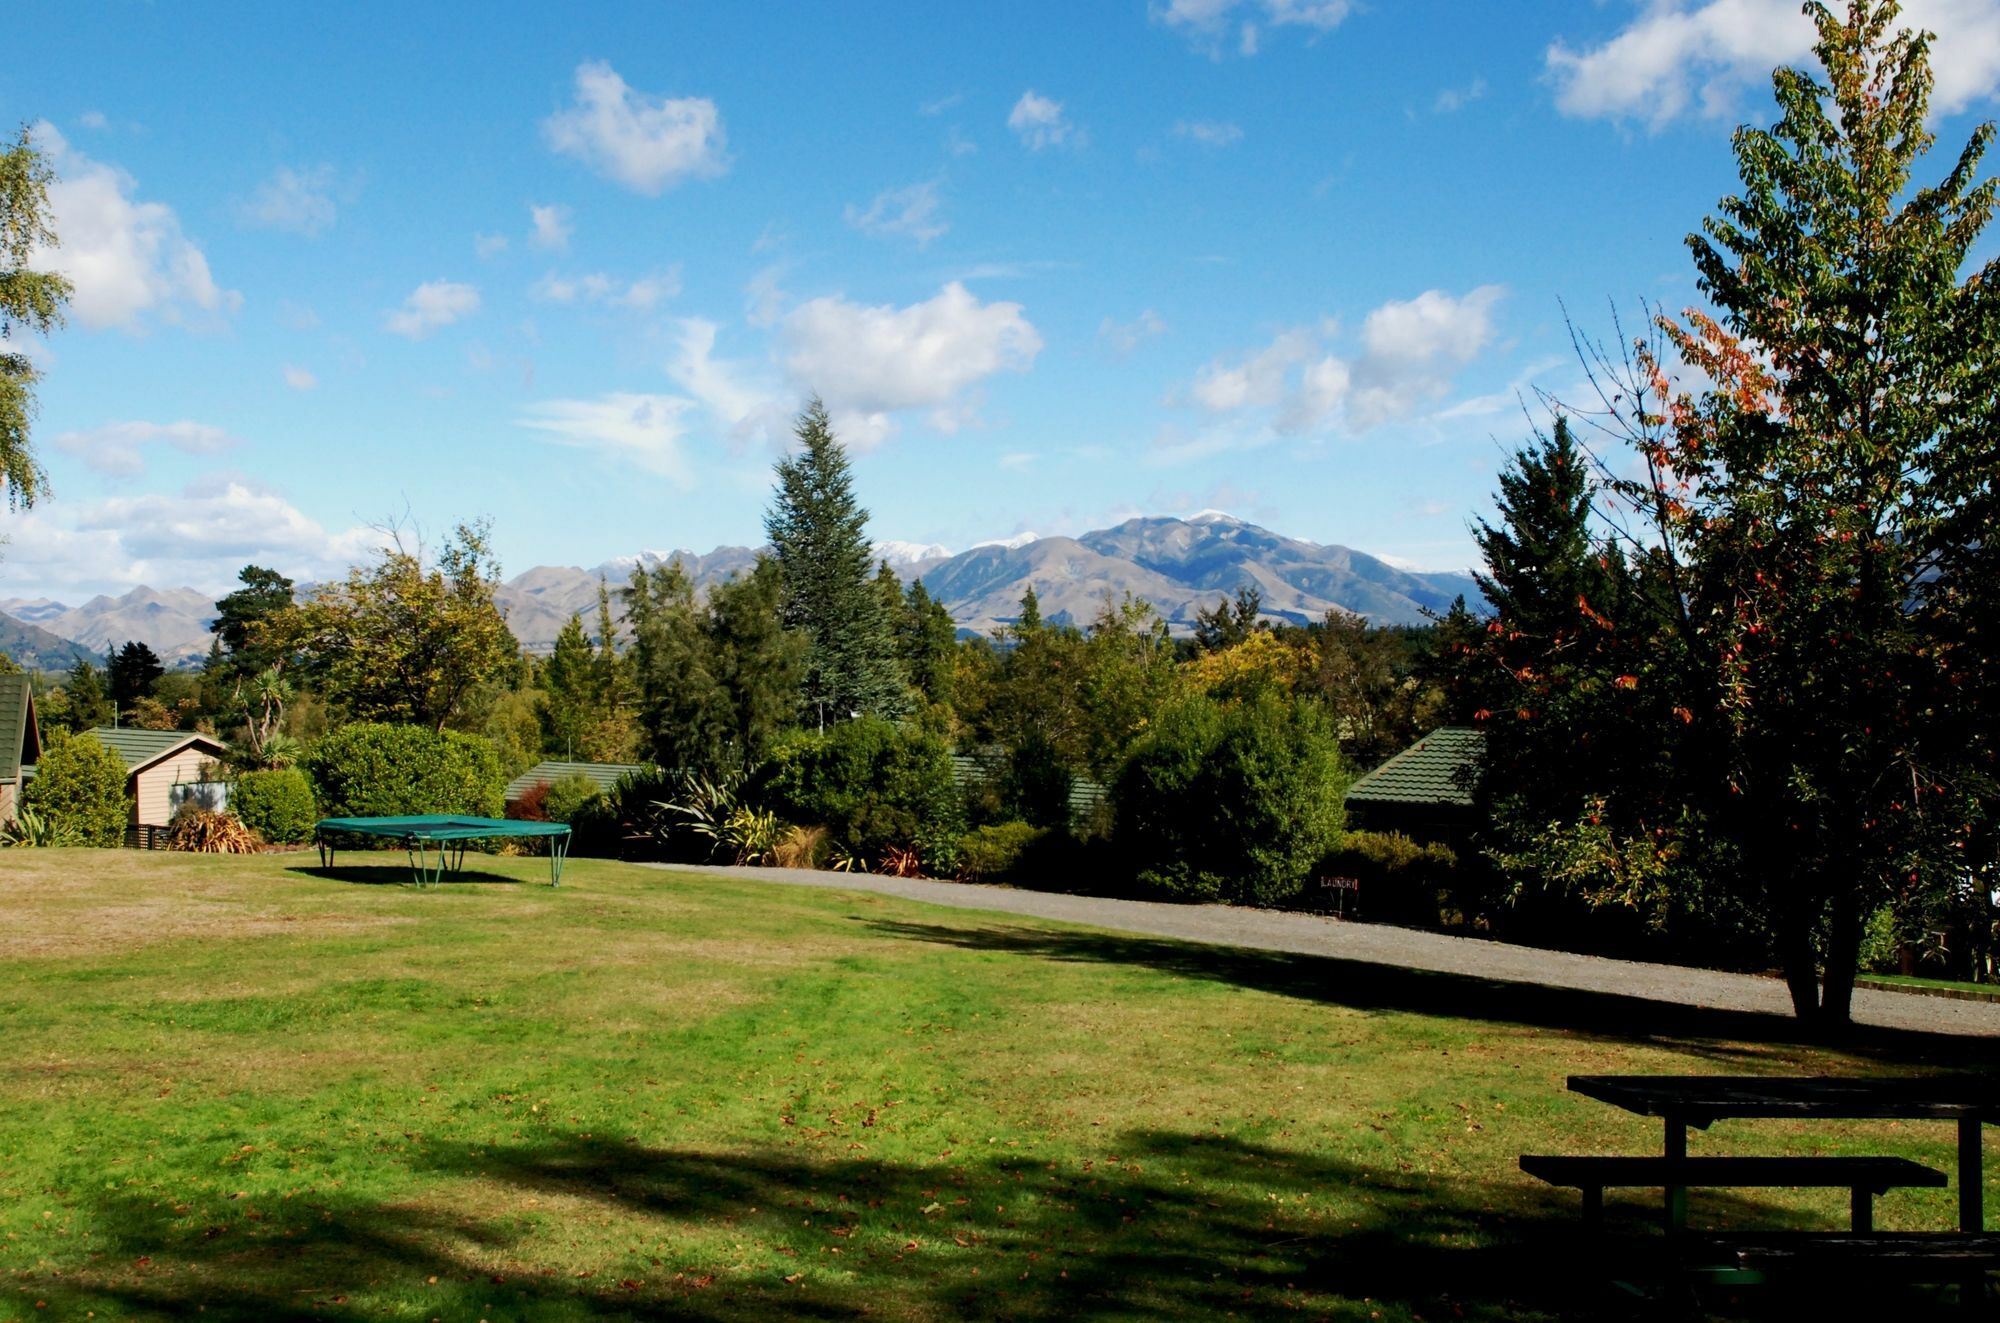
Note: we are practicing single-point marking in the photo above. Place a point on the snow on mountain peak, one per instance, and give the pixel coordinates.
(911, 553)
(1009, 543)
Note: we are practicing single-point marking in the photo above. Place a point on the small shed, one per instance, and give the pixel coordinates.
(1426, 792)
(547, 774)
(20, 740)
(164, 768)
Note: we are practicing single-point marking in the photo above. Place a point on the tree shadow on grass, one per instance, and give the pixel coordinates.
(1161, 1224)
(1721, 1035)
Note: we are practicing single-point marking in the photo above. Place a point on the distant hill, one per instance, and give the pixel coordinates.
(1179, 565)
(36, 649)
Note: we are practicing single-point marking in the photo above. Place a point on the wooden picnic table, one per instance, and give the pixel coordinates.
(1700, 1100)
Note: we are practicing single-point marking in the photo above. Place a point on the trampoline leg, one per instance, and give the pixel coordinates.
(558, 852)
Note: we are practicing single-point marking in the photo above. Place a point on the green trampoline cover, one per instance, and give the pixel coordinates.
(442, 827)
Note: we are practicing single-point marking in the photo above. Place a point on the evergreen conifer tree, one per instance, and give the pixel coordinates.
(818, 534)
(570, 689)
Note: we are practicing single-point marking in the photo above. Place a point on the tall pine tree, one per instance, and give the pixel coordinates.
(818, 534)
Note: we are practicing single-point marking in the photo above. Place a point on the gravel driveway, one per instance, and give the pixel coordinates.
(1308, 934)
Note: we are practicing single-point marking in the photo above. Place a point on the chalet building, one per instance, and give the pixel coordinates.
(1425, 792)
(20, 740)
(164, 769)
(605, 775)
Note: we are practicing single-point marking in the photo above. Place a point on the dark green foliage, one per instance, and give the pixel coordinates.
(567, 796)
(131, 672)
(79, 787)
(88, 705)
(277, 805)
(240, 619)
(1228, 622)
(818, 534)
(926, 639)
(379, 770)
(1233, 803)
(1402, 881)
(994, 853)
(717, 680)
(873, 784)
(1035, 784)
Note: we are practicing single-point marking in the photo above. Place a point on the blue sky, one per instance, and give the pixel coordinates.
(575, 268)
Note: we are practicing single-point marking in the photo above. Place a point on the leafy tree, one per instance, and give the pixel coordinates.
(88, 706)
(818, 538)
(1228, 622)
(379, 770)
(399, 641)
(927, 641)
(1809, 514)
(717, 680)
(132, 671)
(1127, 676)
(240, 617)
(80, 785)
(32, 300)
(1367, 678)
(571, 691)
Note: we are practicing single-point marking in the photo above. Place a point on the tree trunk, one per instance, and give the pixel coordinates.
(1801, 970)
(1843, 959)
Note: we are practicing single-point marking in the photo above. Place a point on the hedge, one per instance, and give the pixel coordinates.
(375, 770)
(278, 805)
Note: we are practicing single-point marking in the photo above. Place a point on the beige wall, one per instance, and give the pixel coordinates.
(150, 787)
(6, 801)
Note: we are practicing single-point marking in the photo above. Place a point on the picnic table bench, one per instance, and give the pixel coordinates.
(1698, 1101)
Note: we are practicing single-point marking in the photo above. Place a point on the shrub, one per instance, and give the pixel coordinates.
(79, 787)
(1036, 783)
(1233, 803)
(993, 854)
(378, 770)
(568, 795)
(1401, 881)
(874, 783)
(31, 831)
(751, 835)
(205, 831)
(532, 804)
(801, 847)
(278, 806)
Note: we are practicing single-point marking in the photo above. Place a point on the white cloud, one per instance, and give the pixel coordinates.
(910, 213)
(1124, 337)
(93, 119)
(489, 245)
(299, 378)
(552, 228)
(1453, 99)
(1209, 133)
(868, 362)
(200, 536)
(115, 447)
(750, 410)
(646, 143)
(642, 430)
(1682, 56)
(641, 295)
(1410, 351)
(127, 259)
(298, 201)
(433, 304)
(1207, 23)
(1040, 123)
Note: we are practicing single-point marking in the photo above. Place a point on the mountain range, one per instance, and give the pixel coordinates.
(1179, 565)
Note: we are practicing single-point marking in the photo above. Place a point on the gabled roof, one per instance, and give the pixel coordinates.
(20, 740)
(142, 748)
(1440, 768)
(604, 774)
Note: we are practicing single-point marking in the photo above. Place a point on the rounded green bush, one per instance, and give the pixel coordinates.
(376, 770)
(278, 806)
(567, 796)
(874, 784)
(1232, 802)
(993, 853)
(79, 787)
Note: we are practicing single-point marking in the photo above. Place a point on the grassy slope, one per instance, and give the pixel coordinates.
(237, 1085)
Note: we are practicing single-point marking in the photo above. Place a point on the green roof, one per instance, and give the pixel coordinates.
(20, 742)
(604, 774)
(1440, 768)
(140, 747)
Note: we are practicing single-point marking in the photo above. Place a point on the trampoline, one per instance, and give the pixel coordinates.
(448, 832)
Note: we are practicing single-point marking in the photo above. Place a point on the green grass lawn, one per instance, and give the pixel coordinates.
(237, 1087)
(1941, 984)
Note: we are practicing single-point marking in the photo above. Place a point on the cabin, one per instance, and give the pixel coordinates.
(20, 741)
(166, 768)
(605, 775)
(1426, 792)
